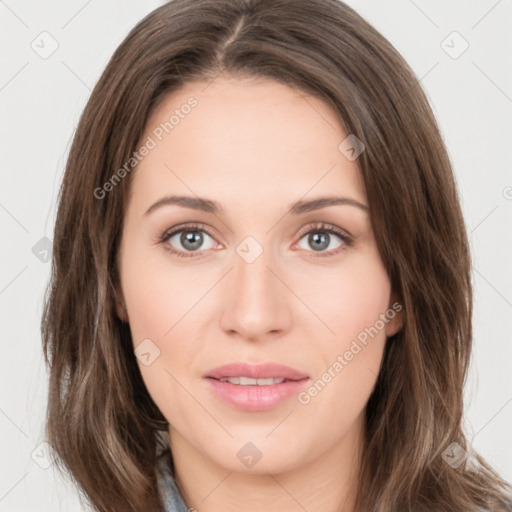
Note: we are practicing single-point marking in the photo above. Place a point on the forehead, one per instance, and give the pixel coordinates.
(252, 138)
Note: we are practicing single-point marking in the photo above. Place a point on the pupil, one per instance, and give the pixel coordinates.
(321, 240)
(191, 240)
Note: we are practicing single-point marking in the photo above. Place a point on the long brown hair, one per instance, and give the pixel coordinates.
(101, 421)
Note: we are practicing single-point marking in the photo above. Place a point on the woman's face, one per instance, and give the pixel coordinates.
(255, 284)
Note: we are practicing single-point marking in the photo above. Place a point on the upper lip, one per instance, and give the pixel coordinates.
(256, 371)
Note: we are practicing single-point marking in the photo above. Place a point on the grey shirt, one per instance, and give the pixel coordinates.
(173, 501)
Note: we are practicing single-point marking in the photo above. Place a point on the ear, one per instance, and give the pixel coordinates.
(120, 305)
(395, 314)
(121, 311)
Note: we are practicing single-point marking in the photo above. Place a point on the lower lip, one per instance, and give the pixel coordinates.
(256, 398)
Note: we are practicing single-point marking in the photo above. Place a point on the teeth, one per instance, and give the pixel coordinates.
(248, 381)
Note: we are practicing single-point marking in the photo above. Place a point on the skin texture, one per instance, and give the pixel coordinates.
(255, 147)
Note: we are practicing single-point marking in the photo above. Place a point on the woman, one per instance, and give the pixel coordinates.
(310, 357)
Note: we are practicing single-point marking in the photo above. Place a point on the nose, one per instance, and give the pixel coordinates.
(255, 302)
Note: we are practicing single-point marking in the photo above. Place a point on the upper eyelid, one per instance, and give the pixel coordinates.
(325, 226)
(312, 226)
(186, 227)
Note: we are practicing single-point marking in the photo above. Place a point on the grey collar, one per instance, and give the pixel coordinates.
(173, 501)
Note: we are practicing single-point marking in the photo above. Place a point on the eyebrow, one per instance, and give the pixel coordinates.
(297, 208)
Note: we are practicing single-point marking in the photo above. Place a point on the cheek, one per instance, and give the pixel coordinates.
(348, 298)
(350, 302)
(157, 294)
(158, 297)
(161, 300)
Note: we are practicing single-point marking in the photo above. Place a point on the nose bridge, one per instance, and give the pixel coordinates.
(255, 304)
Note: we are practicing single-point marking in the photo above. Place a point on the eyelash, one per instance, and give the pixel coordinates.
(316, 227)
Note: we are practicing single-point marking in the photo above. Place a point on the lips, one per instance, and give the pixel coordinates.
(255, 388)
(259, 371)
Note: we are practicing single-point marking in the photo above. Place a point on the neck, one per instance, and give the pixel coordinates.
(328, 483)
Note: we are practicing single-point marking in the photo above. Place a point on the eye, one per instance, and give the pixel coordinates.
(191, 238)
(321, 237)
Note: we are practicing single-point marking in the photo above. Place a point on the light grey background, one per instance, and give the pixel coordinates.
(41, 100)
